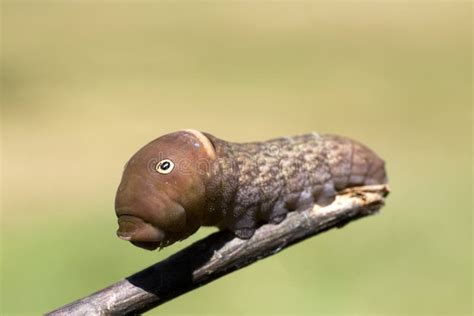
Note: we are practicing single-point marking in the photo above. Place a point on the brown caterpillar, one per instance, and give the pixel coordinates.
(187, 179)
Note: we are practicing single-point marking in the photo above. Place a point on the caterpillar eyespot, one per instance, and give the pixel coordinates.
(165, 166)
(234, 186)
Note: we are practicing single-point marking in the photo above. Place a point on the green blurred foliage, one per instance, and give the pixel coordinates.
(85, 84)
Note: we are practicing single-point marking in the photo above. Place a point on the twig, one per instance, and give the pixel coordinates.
(221, 253)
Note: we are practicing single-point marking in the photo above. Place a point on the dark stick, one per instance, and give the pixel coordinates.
(221, 253)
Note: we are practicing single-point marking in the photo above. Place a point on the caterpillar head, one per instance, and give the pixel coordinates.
(161, 197)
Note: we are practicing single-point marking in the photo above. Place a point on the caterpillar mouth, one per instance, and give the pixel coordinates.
(139, 232)
(148, 245)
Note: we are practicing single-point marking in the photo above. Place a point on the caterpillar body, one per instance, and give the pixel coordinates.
(188, 179)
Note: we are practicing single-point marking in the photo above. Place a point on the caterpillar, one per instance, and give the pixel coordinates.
(188, 179)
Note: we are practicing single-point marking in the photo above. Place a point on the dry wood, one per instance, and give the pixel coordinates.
(221, 253)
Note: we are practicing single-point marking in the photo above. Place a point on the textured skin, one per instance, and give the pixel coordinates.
(261, 182)
(235, 186)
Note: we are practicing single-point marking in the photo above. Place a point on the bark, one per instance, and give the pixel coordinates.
(221, 253)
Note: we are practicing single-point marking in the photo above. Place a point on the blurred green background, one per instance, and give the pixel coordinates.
(85, 84)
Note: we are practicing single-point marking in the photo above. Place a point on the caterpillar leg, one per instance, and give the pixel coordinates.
(277, 219)
(327, 196)
(278, 213)
(244, 227)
